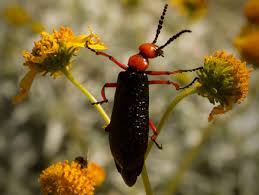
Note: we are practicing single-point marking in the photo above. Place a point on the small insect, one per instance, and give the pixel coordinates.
(129, 126)
(81, 161)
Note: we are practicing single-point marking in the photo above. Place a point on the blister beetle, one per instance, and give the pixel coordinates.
(129, 126)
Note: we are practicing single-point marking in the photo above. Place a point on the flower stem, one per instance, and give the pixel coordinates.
(88, 95)
(107, 120)
(146, 182)
(187, 162)
(170, 108)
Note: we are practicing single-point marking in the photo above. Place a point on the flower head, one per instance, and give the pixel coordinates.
(248, 46)
(191, 8)
(64, 178)
(251, 10)
(224, 80)
(52, 54)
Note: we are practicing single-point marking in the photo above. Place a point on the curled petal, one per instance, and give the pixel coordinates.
(25, 86)
(93, 41)
(218, 110)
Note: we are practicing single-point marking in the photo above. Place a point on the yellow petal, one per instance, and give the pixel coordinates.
(93, 41)
(25, 86)
(78, 41)
(97, 46)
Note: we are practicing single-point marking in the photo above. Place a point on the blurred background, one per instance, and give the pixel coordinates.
(56, 122)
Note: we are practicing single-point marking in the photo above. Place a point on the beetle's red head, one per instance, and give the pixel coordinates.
(151, 50)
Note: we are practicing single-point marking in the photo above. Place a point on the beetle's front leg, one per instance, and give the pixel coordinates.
(114, 60)
(154, 136)
(156, 73)
(164, 82)
(105, 100)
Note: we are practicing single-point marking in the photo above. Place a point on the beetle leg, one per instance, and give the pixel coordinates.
(154, 136)
(164, 82)
(114, 60)
(190, 84)
(105, 100)
(155, 73)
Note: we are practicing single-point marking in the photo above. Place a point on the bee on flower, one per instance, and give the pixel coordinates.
(64, 178)
(224, 80)
(53, 54)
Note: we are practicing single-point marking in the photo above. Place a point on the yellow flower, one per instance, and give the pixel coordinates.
(16, 15)
(251, 10)
(191, 8)
(64, 178)
(248, 46)
(224, 80)
(52, 54)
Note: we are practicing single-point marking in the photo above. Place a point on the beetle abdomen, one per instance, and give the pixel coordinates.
(128, 130)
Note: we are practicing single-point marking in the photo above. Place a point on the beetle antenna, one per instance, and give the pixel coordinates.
(160, 23)
(173, 38)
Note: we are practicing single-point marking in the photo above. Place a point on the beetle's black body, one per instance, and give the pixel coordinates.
(129, 126)
(128, 130)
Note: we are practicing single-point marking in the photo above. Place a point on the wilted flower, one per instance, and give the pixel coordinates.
(224, 80)
(251, 10)
(64, 178)
(52, 54)
(191, 8)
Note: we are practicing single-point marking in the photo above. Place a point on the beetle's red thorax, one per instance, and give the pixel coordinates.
(138, 62)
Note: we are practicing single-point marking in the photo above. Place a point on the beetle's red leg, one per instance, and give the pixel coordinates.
(103, 92)
(154, 73)
(164, 82)
(114, 60)
(154, 136)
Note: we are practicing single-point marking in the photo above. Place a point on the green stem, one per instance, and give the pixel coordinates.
(146, 182)
(187, 162)
(107, 120)
(88, 95)
(170, 108)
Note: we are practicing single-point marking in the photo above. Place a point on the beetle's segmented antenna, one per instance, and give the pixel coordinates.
(160, 23)
(173, 38)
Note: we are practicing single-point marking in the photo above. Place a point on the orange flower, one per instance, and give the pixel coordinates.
(224, 80)
(64, 178)
(52, 54)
